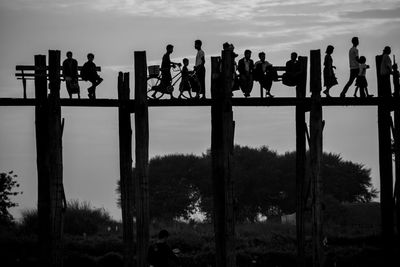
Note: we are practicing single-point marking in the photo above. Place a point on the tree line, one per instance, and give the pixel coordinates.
(264, 183)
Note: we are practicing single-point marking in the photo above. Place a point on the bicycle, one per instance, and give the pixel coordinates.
(154, 82)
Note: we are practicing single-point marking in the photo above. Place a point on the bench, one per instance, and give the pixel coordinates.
(26, 72)
(280, 70)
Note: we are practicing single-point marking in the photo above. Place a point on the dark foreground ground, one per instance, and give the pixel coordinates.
(261, 244)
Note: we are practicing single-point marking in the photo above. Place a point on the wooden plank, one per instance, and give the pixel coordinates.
(32, 68)
(142, 158)
(316, 126)
(385, 163)
(221, 147)
(125, 166)
(301, 163)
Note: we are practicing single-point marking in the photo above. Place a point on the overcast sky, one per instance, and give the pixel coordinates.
(114, 29)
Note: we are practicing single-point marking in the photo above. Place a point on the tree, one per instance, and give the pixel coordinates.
(7, 186)
(172, 194)
(264, 183)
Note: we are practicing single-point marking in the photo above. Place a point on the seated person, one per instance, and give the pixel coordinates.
(264, 73)
(245, 69)
(291, 76)
(89, 73)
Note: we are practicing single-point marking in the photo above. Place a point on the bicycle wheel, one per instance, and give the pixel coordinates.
(153, 86)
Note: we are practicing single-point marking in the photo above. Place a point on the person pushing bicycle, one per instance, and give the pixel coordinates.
(166, 65)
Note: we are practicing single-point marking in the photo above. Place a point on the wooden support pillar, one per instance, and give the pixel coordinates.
(316, 127)
(44, 223)
(221, 149)
(385, 161)
(125, 168)
(55, 158)
(142, 158)
(301, 162)
(397, 166)
(51, 200)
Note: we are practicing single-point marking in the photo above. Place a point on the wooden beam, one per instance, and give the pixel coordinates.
(301, 163)
(142, 158)
(316, 126)
(221, 147)
(125, 169)
(385, 162)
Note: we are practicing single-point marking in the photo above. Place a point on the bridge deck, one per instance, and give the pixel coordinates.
(245, 102)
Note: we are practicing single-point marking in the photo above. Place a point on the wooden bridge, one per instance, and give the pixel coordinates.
(49, 128)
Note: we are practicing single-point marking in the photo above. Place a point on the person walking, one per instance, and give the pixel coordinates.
(385, 71)
(329, 75)
(166, 78)
(361, 81)
(354, 65)
(200, 69)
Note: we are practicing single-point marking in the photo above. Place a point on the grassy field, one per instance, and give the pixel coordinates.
(352, 239)
(264, 244)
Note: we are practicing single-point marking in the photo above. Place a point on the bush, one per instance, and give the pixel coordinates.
(79, 218)
(82, 218)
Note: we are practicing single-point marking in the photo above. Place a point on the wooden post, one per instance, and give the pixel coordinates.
(55, 159)
(49, 160)
(23, 83)
(397, 166)
(54, 73)
(142, 158)
(385, 161)
(125, 168)
(301, 162)
(316, 127)
(221, 147)
(44, 221)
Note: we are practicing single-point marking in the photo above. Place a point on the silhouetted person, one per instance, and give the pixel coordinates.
(361, 81)
(160, 254)
(293, 70)
(200, 69)
(353, 62)
(385, 71)
(396, 81)
(185, 85)
(264, 73)
(235, 78)
(245, 69)
(329, 75)
(89, 73)
(70, 74)
(166, 77)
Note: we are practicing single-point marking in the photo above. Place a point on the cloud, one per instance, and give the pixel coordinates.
(374, 14)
